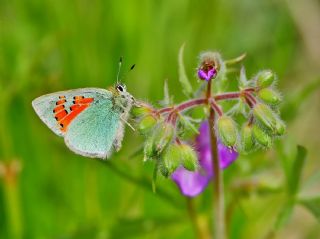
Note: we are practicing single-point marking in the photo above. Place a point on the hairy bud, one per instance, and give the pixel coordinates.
(227, 130)
(247, 142)
(141, 110)
(280, 128)
(261, 136)
(147, 123)
(188, 157)
(265, 116)
(265, 78)
(269, 96)
(162, 136)
(172, 158)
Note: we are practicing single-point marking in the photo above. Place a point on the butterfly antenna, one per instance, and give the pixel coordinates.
(119, 68)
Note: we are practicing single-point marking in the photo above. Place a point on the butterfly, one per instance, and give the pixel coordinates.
(91, 120)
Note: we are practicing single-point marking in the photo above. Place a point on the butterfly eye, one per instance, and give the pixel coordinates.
(120, 88)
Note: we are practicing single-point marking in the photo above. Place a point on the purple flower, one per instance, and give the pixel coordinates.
(193, 183)
(207, 74)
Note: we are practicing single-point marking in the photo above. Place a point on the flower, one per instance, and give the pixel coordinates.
(193, 183)
(207, 72)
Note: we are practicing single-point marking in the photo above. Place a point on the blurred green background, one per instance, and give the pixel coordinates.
(46, 191)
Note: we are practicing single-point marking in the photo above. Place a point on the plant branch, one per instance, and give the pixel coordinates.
(218, 196)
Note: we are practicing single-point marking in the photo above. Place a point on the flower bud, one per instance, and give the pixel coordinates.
(280, 128)
(210, 63)
(188, 157)
(147, 123)
(162, 136)
(149, 151)
(172, 158)
(140, 111)
(227, 130)
(265, 78)
(269, 96)
(265, 116)
(261, 136)
(247, 142)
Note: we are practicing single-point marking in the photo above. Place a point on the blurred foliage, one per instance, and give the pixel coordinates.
(49, 45)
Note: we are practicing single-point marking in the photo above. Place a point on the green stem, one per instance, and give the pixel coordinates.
(200, 230)
(144, 183)
(11, 195)
(218, 196)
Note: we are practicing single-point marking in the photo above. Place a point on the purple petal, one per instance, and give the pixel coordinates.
(207, 75)
(211, 73)
(202, 74)
(193, 183)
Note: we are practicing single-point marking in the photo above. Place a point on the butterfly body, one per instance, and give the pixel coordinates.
(91, 120)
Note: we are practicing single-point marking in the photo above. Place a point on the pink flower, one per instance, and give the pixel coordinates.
(193, 183)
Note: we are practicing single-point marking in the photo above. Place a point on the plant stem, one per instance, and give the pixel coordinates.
(200, 101)
(200, 230)
(218, 196)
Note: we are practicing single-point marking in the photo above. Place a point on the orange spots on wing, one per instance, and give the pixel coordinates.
(63, 117)
(83, 100)
(78, 97)
(74, 107)
(60, 115)
(58, 108)
(73, 114)
(61, 102)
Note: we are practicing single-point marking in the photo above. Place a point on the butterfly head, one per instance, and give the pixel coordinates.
(122, 96)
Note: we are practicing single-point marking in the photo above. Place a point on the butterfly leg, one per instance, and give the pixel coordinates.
(127, 123)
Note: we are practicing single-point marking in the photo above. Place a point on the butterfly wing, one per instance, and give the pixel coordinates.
(86, 118)
(94, 131)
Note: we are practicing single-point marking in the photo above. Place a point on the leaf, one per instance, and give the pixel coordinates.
(313, 205)
(291, 105)
(284, 215)
(166, 99)
(296, 170)
(243, 81)
(186, 86)
(187, 123)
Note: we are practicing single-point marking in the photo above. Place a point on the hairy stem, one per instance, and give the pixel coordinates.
(200, 101)
(218, 196)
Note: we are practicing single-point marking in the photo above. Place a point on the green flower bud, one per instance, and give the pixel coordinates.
(265, 78)
(265, 116)
(140, 111)
(261, 136)
(247, 142)
(172, 158)
(269, 96)
(280, 128)
(163, 170)
(188, 157)
(147, 123)
(149, 151)
(162, 136)
(227, 130)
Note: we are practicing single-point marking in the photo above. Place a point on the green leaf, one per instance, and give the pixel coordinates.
(296, 170)
(186, 86)
(292, 104)
(187, 124)
(166, 99)
(313, 205)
